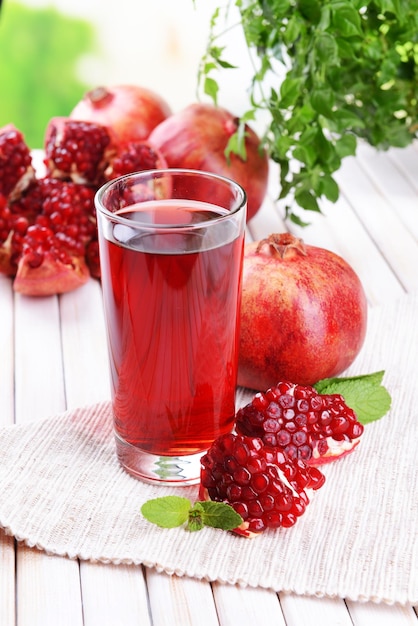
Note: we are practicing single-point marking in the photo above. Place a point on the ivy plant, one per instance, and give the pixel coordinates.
(327, 73)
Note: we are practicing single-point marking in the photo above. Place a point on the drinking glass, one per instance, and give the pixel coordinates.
(171, 250)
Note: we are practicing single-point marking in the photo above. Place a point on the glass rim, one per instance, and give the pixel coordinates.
(241, 198)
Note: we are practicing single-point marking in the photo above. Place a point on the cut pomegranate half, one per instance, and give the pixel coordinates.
(77, 151)
(316, 428)
(16, 170)
(50, 253)
(49, 263)
(262, 484)
(134, 157)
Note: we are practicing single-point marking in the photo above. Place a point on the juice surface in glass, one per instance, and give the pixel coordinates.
(172, 304)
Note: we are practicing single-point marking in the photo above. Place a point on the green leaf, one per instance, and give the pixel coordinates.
(196, 518)
(344, 69)
(347, 20)
(167, 512)
(329, 188)
(347, 119)
(327, 49)
(311, 9)
(365, 394)
(293, 29)
(305, 153)
(306, 200)
(211, 88)
(322, 100)
(236, 145)
(296, 219)
(173, 511)
(387, 6)
(289, 91)
(346, 145)
(220, 515)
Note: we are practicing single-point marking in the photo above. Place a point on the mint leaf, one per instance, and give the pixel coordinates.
(365, 394)
(220, 515)
(167, 512)
(173, 511)
(196, 517)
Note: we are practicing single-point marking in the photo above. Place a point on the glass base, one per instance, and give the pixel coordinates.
(176, 471)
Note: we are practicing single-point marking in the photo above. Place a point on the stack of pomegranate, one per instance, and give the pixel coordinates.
(48, 233)
(304, 310)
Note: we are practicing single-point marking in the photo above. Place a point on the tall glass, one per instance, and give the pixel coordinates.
(171, 250)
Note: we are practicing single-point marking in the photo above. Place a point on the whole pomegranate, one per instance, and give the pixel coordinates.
(196, 138)
(130, 112)
(303, 314)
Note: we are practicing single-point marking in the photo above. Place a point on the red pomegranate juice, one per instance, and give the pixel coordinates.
(172, 305)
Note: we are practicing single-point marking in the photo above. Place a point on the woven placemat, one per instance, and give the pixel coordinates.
(63, 491)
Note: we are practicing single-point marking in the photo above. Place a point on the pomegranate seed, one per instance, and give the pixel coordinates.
(20, 225)
(259, 482)
(76, 150)
(133, 158)
(300, 421)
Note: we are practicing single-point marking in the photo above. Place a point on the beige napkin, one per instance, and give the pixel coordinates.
(63, 491)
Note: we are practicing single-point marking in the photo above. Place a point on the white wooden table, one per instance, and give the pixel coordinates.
(53, 357)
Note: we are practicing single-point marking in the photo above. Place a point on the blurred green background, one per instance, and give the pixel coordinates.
(40, 49)
(53, 51)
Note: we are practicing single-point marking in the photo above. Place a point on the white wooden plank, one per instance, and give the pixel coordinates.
(114, 594)
(369, 614)
(180, 601)
(389, 234)
(7, 549)
(311, 611)
(6, 352)
(406, 160)
(7, 580)
(48, 590)
(396, 187)
(247, 606)
(39, 386)
(269, 218)
(340, 230)
(84, 346)
(266, 221)
(111, 594)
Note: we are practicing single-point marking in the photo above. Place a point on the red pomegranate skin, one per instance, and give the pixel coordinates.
(303, 315)
(130, 112)
(196, 137)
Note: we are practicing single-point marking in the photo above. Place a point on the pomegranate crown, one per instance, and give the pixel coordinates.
(282, 243)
